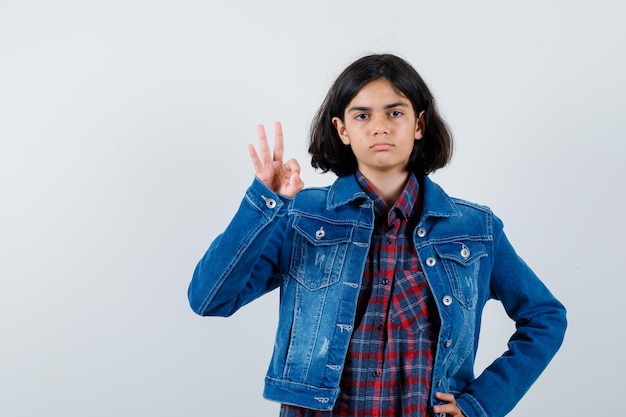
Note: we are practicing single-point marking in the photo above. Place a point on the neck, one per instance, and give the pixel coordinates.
(388, 185)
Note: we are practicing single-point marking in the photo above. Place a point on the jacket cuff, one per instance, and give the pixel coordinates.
(470, 407)
(266, 201)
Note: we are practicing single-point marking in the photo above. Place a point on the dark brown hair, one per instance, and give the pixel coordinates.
(328, 153)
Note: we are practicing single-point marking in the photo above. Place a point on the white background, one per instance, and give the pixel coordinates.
(123, 132)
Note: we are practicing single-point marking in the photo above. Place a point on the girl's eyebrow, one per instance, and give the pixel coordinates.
(386, 107)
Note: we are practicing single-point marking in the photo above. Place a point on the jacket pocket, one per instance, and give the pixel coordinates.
(461, 262)
(318, 253)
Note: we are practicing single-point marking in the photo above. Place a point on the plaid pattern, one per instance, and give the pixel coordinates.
(389, 363)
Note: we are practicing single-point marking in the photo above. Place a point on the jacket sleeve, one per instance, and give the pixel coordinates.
(540, 322)
(242, 263)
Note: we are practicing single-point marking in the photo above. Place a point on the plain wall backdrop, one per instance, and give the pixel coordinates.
(123, 133)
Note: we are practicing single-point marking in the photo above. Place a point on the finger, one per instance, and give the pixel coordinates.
(279, 147)
(296, 181)
(292, 166)
(264, 147)
(256, 162)
(450, 408)
(294, 186)
(449, 398)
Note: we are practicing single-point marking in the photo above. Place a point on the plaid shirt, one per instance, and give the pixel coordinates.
(389, 362)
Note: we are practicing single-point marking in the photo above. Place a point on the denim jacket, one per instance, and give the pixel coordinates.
(314, 247)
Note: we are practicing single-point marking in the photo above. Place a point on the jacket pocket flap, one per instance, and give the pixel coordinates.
(463, 252)
(320, 232)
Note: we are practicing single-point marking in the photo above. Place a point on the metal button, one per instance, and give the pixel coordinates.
(446, 300)
(421, 232)
(270, 203)
(465, 252)
(320, 233)
(448, 342)
(431, 261)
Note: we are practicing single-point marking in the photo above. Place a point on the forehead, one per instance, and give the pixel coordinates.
(380, 91)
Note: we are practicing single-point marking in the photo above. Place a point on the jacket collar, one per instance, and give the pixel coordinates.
(436, 202)
(343, 191)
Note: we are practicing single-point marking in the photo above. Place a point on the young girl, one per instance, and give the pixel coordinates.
(383, 277)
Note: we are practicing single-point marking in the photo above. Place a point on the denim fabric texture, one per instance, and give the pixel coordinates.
(314, 247)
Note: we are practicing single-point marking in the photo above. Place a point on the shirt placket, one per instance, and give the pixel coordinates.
(383, 287)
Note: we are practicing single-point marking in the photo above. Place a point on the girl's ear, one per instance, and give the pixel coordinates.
(420, 125)
(341, 130)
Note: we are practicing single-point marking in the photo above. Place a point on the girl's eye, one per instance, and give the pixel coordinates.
(395, 113)
(361, 116)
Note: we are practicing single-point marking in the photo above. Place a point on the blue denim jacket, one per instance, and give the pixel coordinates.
(314, 247)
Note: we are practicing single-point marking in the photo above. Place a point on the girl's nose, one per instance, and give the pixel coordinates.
(379, 125)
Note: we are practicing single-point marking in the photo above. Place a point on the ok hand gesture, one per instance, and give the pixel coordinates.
(282, 178)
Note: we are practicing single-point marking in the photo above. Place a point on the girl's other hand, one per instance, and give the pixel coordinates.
(282, 178)
(450, 409)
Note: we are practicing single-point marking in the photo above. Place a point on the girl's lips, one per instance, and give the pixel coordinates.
(381, 146)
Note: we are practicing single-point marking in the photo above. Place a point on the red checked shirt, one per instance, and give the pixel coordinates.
(389, 362)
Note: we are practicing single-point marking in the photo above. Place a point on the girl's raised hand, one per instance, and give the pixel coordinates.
(282, 178)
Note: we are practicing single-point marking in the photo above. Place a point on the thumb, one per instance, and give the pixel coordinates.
(295, 184)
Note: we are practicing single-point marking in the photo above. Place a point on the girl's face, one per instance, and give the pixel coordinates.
(380, 126)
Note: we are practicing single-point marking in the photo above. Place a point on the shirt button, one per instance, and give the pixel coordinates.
(375, 374)
(465, 252)
(270, 203)
(320, 233)
(448, 342)
(421, 232)
(431, 261)
(385, 281)
(446, 300)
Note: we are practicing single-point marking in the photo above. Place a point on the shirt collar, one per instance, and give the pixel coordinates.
(405, 203)
(436, 203)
